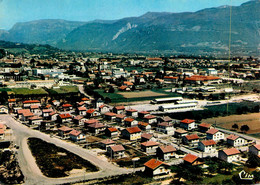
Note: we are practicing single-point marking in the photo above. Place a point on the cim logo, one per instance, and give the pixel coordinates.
(245, 176)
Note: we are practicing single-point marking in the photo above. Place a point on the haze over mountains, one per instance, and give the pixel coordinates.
(201, 32)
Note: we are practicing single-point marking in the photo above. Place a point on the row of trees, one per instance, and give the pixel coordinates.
(243, 128)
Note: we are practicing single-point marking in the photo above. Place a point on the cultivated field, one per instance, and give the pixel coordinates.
(140, 94)
(252, 120)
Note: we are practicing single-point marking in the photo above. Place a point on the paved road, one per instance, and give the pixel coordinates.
(30, 169)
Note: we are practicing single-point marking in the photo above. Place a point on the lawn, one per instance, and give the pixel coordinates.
(56, 162)
(64, 90)
(26, 91)
(119, 96)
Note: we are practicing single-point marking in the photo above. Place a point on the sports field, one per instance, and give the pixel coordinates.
(140, 94)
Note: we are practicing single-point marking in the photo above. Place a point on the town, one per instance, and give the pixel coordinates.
(127, 115)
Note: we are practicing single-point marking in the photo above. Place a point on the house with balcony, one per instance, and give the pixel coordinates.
(156, 167)
(215, 134)
(131, 133)
(149, 147)
(166, 128)
(229, 155)
(235, 140)
(166, 152)
(207, 146)
(188, 124)
(116, 151)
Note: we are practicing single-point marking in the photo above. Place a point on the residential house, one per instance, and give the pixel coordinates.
(147, 137)
(204, 127)
(46, 113)
(132, 133)
(92, 113)
(155, 167)
(77, 136)
(35, 120)
(28, 103)
(132, 113)
(191, 140)
(149, 146)
(64, 132)
(112, 132)
(107, 143)
(144, 126)
(179, 133)
(67, 107)
(26, 116)
(150, 119)
(96, 128)
(56, 103)
(21, 111)
(235, 140)
(215, 134)
(120, 118)
(191, 159)
(53, 116)
(255, 149)
(229, 155)
(82, 111)
(188, 124)
(99, 103)
(11, 103)
(119, 109)
(103, 109)
(165, 127)
(207, 146)
(35, 109)
(79, 120)
(89, 122)
(164, 119)
(142, 114)
(85, 100)
(130, 122)
(64, 118)
(116, 151)
(110, 116)
(166, 152)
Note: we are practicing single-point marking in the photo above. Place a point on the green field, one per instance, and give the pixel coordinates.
(26, 91)
(64, 90)
(117, 98)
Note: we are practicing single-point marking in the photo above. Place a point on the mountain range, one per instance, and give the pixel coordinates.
(203, 32)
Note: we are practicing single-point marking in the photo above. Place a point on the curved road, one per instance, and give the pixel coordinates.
(32, 172)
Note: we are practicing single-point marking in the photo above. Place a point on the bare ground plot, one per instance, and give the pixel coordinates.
(252, 120)
(140, 94)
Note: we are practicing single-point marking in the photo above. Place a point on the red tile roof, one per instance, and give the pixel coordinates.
(121, 116)
(96, 125)
(123, 87)
(165, 124)
(192, 137)
(257, 146)
(154, 163)
(181, 131)
(110, 114)
(190, 158)
(208, 142)
(212, 131)
(2, 131)
(31, 101)
(205, 125)
(150, 143)
(144, 112)
(35, 118)
(143, 123)
(66, 105)
(132, 130)
(146, 136)
(91, 121)
(64, 116)
(82, 108)
(231, 151)
(107, 141)
(11, 100)
(78, 117)
(167, 149)
(117, 148)
(47, 110)
(129, 119)
(170, 77)
(150, 117)
(120, 108)
(112, 129)
(232, 137)
(187, 121)
(34, 106)
(28, 114)
(65, 129)
(2, 126)
(90, 111)
(201, 78)
(75, 132)
(84, 99)
(131, 110)
(21, 111)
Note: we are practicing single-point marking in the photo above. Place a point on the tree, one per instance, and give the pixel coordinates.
(235, 126)
(244, 128)
(111, 89)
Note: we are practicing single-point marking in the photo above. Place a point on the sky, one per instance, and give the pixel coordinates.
(13, 11)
